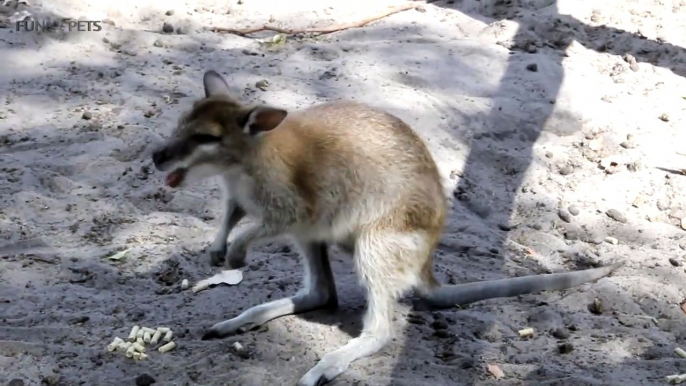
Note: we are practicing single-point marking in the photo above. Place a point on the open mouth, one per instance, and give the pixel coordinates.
(175, 178)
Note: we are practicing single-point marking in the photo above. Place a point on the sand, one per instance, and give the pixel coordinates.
(556, 125)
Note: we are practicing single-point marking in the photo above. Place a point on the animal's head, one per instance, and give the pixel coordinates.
(214, 135)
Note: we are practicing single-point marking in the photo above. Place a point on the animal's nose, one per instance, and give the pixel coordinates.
(159, 156)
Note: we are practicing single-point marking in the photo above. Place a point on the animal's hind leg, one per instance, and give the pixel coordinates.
(319, 292)
(388, 266)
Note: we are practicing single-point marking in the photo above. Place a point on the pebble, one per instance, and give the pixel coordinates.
(572, 235)
(675, 261)
(663, 204)
(632, 62)
(566, 170)
(158, 43)
(16, 382)
(596, 307)
(144, 380)
(262, 84)
(565, 348)
(564, 215)
(616, 215)
(167, 28)
(638, 201)
(683, 223)
(664, 117)
(87, 115)
(628, 145)
(573, 210)
(533, 67)
(170, 12)
(560, 333)
(677, 214)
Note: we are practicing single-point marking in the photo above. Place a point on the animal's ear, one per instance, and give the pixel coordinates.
(214, 84)
(261, 119)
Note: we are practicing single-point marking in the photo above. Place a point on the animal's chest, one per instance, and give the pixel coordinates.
(242, 189)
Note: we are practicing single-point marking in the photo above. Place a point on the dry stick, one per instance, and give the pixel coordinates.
(319, 30)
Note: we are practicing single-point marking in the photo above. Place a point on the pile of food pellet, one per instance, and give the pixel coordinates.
(134, 345)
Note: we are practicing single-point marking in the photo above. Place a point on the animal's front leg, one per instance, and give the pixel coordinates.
(319, 291)
(233, 213)
(238, 249)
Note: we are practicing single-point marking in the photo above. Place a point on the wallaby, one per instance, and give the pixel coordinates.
(339, 173)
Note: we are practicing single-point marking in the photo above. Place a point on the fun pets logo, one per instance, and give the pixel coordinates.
(50, 25)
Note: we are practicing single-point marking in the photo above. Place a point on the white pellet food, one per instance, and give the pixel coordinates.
(134, 333)
(156, 337)
(167, 347)
(526, 332)
(168, 336)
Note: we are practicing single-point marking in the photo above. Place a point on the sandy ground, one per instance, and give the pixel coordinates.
(557, 125)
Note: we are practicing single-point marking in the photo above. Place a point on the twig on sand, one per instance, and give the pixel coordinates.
(318, 30)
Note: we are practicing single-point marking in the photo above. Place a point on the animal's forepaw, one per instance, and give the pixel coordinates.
(217, 254)
(228, 327)
(236, 257)
(324, 372)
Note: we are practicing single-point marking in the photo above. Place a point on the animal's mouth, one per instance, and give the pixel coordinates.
(175, 178)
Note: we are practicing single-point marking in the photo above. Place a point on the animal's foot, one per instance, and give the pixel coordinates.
(328, 368)
(217, 252)
(228, 327)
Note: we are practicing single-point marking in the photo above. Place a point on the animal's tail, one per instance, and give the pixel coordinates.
(451, 295)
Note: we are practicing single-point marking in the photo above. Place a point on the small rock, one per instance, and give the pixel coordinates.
(634, 166)
(628, 145)
(616, 215)
(170, 12)
(593, 238)
(632, 62)
(262, 84)
(664, 117)
(439, 325)
(560, 333)
(16, 382)
(144, 380)
(683, 223)
(80, 319)
(158, 43)
(87, 115)
(441, 334)
(565, 348)
(564, 215)
(533, 67)
(638, 201)
(663, 204)
(675, 261)
(167, 28)
(182, 30)
(611, 240)
(566, 170)
(596, 307)
(573, 210)
(572, 234)
(548, 154)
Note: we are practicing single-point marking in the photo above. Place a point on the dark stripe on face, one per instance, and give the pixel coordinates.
(203, 139)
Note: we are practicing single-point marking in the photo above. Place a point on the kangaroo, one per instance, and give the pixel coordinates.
(340, 173)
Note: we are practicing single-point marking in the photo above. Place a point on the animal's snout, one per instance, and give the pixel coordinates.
(160, 156)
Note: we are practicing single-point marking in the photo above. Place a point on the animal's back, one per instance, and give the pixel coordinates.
(361, 165)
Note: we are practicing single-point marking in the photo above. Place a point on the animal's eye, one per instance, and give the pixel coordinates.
(202, 139)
